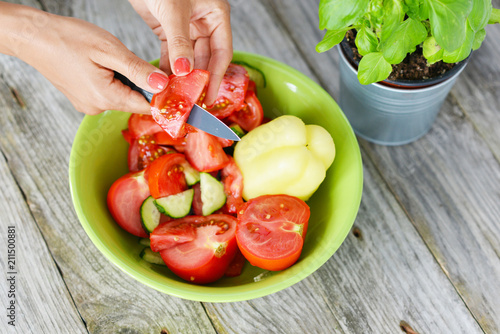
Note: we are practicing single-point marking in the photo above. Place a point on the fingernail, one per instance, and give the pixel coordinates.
(157, 80)
(182, 66)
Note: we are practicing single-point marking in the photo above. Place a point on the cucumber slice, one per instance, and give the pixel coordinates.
(192, 175)
(237, 129)
(176, 206)
(149, 256)
(150, 216)
(212, 194)
(145, 242)
(254, 73)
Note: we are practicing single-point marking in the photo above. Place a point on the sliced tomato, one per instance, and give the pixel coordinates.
(165, 175)
(251, 115)
(252, 86)
(142, 125)
(197, 204)
(225, 142)
(171, 233)
(231, 91)
(271, 230)
(232, 179)
(236, 266)
(127, 136)
(206, 258)
(124, 200)
(143, 151)
(163, 138)
(171, 107)
(204, 152)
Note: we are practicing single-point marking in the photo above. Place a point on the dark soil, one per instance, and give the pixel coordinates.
(413, 67)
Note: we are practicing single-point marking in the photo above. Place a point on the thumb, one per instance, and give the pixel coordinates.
(174, 17)
(137, 70)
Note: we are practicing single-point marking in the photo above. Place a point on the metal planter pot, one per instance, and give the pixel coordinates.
(390, 116)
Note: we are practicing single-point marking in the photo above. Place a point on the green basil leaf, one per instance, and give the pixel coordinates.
(404, 39)
(339, 14)
(464, 50)
(366, 41)
(478, 39)
(479, 15)
(393, 16)
(373, 68)
(495, 16)
(331, 38)
(447, 19)
(431, 50)
(413, 9)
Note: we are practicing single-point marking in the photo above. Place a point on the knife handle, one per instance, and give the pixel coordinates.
(147, 95)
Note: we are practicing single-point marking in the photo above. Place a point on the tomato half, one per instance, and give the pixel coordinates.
(231, 91)
(143, 151)
(204, 152)
(165, 175)
(233, 186)
(251, 115)
(124, 200)
(171, 107)
(205, 258)
(142, 125)
(271, 230)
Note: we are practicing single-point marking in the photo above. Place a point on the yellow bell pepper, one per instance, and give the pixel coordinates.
(284, 156)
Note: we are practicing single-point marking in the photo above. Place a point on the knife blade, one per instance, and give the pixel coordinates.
(198, 117)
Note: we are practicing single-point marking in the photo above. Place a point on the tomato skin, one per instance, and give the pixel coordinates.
(124, 201)
(197, 204)
(271, 230)
(171, 107)
(142, 125)
(165, 175)
(236, 266)
(233, 186)
(127, 136)
(204, 152)
(251, 115)
(206, 258)
(231, 91)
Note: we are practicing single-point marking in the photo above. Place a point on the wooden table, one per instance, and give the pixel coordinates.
(423, 255)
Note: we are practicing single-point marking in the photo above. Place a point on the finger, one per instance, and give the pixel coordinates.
(221, 46)
(127, 100)
(174, 17)
(202, 53)
(115, 56)
(164, 60)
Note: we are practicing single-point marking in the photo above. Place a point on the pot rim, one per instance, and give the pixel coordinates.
(408, 85)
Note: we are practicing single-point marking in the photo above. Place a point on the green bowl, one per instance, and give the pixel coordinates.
(99, 157)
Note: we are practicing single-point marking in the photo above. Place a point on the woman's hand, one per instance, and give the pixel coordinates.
(193, 34)
(79, 59)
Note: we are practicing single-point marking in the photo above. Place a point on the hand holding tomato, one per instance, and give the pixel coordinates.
(193, 34)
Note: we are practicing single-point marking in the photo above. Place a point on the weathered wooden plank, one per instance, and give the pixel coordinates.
(447, 181)
(30, 276)
(37, 140)
(376, 280)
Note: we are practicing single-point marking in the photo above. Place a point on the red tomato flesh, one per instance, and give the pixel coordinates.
(165, 175)
(142, 125)
(124, 200)
(205, 258)
(271, 230)
(251, 115)
(236, 266)
(231, 91)
(233, 186)
(171, 107)
(143, 151)
(204, 152)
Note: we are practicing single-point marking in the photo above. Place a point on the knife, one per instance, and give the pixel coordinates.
(199, 117)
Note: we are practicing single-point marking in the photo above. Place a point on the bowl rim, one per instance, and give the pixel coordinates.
(213, 293)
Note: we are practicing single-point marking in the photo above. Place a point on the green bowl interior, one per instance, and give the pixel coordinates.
(99, 157)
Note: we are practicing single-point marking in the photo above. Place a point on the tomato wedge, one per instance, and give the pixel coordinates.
(127, 136)
(163, 138)
(204, 152)
(165, 175)
(231, 91)
(142, 125)
(233, 186)
(205, 258)
(143, 151)
(171, 107)
(236, 266)
(271, 230)
(251, 115)
(124, 200)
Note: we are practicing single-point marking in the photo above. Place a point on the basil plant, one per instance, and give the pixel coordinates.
(387, 30)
